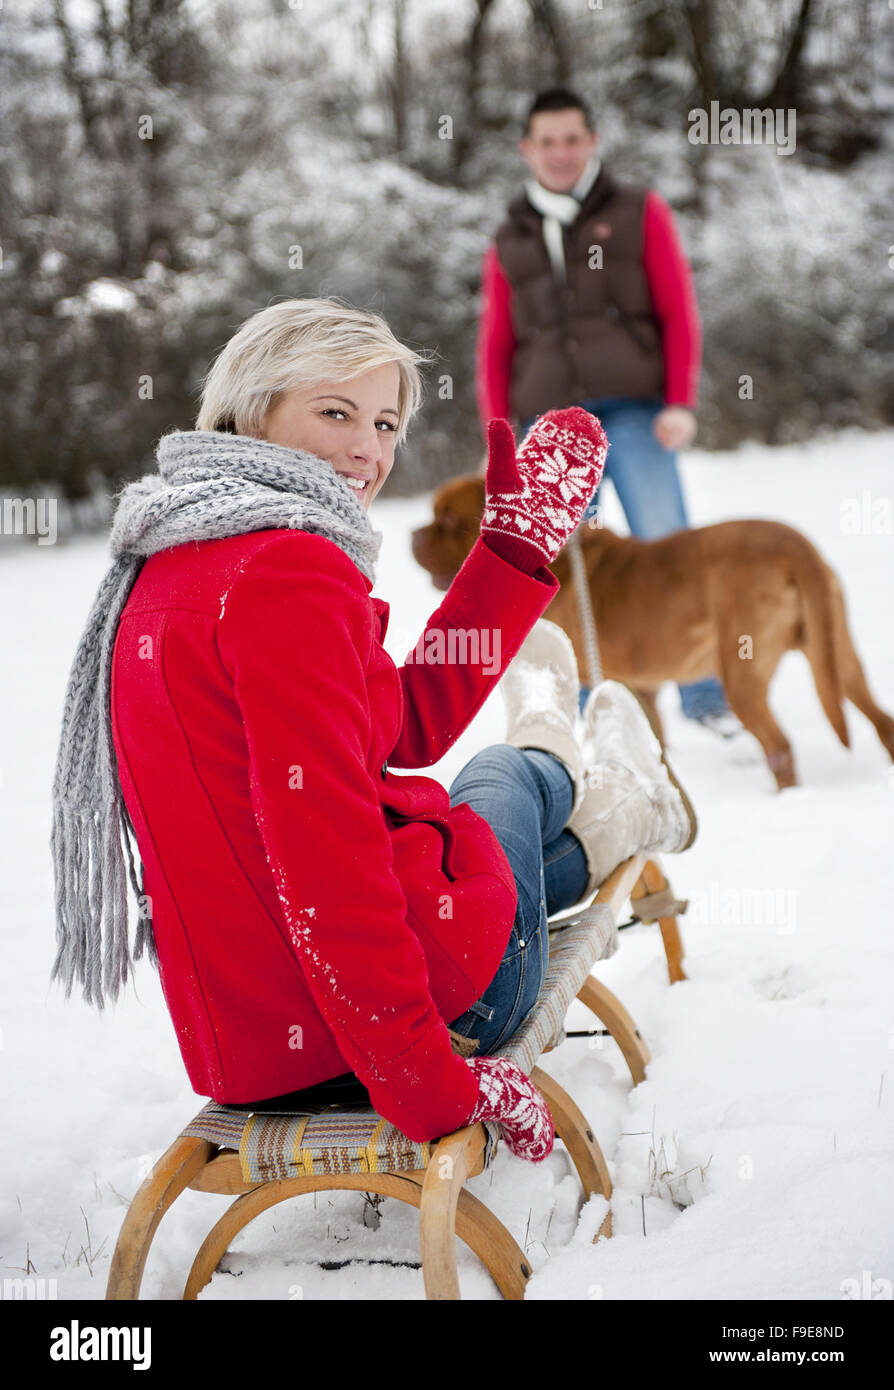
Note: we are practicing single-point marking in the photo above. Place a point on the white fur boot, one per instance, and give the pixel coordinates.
(540, 689)
(632, 799)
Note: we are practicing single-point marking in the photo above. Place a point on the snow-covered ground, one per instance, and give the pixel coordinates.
(755, 1160)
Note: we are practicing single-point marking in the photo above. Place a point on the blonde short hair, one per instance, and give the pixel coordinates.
(298, 343)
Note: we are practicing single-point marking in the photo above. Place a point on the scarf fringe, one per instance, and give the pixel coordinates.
(92, 915)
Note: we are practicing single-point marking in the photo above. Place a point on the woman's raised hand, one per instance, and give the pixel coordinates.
(512, 1100)
(536, 497)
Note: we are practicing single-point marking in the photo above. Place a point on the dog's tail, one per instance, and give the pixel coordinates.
(814, 586)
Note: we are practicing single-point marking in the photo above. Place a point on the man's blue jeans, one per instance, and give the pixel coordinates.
(525, 795)
(645, 477)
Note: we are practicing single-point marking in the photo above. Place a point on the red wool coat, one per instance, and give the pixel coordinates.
(314, 913)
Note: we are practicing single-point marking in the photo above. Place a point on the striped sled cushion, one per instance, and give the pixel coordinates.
(332, 1139)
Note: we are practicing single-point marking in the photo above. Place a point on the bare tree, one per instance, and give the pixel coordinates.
(548, 23)
(473, 55)
(759, 57)
(397, 80)
(78, 82)
(787, 85)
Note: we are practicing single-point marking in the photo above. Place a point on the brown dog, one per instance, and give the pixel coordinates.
(723, 600)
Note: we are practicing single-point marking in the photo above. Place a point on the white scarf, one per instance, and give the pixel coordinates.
(559, 210)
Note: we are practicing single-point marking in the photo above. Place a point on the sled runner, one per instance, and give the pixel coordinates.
(264, 1158)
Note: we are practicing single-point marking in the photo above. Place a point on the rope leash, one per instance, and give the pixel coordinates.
(584, 607)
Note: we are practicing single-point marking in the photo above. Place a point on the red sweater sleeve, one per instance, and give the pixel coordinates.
(496, 342)
(296, 637)
(488, 611)
(672, 289)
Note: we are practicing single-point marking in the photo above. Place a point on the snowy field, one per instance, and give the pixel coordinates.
(755, 1161)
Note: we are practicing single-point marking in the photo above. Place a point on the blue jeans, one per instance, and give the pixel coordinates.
(525, 795)
(645, 478)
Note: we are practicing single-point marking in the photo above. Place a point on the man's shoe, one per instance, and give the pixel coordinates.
(633, 800)
(724, 723)
(540, 691)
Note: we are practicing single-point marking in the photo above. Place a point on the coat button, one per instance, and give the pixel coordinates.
(384, 767)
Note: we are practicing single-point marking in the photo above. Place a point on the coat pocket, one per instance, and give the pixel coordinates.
(461, 913)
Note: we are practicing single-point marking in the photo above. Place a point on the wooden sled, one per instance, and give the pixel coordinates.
(431, 1176)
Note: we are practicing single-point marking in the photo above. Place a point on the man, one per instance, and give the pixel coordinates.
(588, 299)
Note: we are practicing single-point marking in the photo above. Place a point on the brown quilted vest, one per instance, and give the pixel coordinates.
(596, 335)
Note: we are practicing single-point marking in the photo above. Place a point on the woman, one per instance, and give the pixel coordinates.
(314, 917)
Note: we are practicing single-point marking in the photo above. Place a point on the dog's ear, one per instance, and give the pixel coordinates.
(472, 491)
(461, 504)
(473, 498)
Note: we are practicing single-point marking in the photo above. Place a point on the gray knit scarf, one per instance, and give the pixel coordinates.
(209, 485)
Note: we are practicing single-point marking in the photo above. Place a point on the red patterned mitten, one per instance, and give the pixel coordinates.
(512, 1100)
(534, 499)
